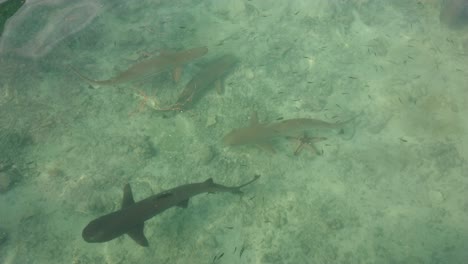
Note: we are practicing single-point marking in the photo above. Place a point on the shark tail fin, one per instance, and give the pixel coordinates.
(213, 187)
(237, 189)
(93, 83)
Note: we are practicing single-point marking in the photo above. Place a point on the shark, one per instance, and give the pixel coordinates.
(211, 73)
(163, 62)
(131, 217)
(262, 134)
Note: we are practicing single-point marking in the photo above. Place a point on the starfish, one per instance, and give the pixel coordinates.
(305, 140)
(146, 100)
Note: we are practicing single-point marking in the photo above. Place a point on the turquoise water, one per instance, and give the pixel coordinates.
(389, 186)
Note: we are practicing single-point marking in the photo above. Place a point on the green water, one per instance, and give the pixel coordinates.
(387, 187)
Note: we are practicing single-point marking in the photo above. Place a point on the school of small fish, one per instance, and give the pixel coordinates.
(211, 74)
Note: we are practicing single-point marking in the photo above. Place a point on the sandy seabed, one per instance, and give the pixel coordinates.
(391, 190)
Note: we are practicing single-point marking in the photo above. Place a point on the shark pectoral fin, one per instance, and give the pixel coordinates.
(138, 236)
(127, 196)
(183, 204)
(267, 146)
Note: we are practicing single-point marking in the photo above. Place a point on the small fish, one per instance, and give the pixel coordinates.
(241, 251)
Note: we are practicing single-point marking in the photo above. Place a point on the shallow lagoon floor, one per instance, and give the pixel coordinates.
(389, 189)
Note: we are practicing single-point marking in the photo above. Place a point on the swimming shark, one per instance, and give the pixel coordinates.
(152, 66)
(131, 217)
(262, 134)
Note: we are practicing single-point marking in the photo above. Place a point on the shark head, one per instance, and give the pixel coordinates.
(95, 232)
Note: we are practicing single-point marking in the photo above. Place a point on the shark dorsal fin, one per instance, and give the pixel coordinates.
(253, 119)
(210, 181)
(127, 199)
(138, 236)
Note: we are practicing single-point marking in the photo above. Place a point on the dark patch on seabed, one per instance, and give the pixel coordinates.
(7, 10)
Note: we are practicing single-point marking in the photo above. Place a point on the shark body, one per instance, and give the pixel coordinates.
(131, 217)
(262, 134)
(152, 66)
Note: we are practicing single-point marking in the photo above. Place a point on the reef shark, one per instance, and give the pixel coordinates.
(152, 66)
(262, 134)
(131, 217)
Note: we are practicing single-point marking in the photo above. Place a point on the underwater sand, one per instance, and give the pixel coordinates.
(393, 190)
